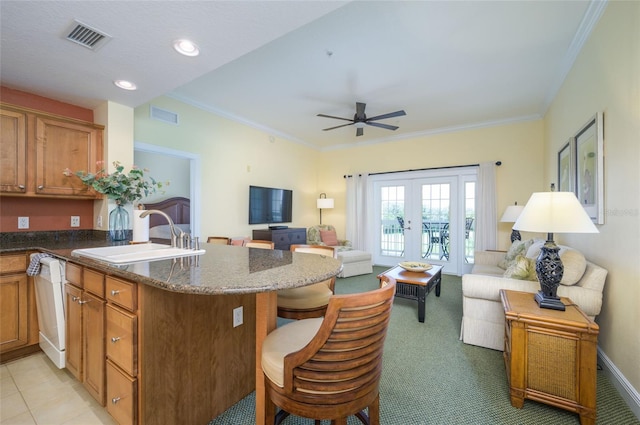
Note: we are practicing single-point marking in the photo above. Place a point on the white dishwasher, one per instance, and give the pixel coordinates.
(50, 302)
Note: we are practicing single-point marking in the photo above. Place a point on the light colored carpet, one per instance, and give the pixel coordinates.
(431, 377)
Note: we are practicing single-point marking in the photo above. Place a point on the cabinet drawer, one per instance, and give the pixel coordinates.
(298, 238)
(13, 263)
(122, 339)
(122, 293)
(73, 274)
(122, 395)
(94, 282)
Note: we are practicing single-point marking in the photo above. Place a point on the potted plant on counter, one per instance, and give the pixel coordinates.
(123, 187)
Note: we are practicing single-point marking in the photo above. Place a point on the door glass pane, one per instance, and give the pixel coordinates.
(470, 219)
(392, 221)
(436, 210)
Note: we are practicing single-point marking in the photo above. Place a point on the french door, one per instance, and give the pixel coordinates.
(425, 218)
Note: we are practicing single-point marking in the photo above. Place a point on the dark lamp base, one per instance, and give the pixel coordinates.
(545, 301)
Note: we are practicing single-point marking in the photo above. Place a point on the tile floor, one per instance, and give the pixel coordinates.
(34, 391)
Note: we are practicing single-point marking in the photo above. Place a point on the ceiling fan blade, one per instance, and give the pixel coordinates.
(360, 110)
(336, 118)
(389, 115)
(338, 126)
(359, 131)
(377, 124)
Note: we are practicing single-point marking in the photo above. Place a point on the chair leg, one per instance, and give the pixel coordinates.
(280, 416)
(341, 421)
(374, 412)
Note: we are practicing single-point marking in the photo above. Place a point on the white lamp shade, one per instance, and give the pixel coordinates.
(325, 203)
(511, 214)
(554, 212)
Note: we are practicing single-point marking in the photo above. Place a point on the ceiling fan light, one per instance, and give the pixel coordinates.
(360, 124)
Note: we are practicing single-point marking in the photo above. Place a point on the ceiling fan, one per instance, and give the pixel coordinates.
(360, 119)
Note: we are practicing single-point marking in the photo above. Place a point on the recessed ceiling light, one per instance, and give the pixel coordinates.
(124, 84)
(186, 47)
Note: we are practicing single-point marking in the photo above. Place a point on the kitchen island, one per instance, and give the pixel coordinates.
(192, 364)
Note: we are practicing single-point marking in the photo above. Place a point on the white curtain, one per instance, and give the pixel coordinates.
(356, 223)
(486, 213)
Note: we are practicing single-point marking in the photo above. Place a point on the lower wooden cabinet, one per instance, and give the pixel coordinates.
(85, 329)
(18, 314)
(122, 395)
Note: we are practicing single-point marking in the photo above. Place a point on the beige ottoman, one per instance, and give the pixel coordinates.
(355, 263)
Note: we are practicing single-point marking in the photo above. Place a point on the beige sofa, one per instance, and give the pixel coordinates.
(482, 311)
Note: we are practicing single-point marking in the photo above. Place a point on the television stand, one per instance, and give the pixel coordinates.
(282, 238)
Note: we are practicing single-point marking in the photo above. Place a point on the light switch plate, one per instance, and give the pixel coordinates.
(237, 316)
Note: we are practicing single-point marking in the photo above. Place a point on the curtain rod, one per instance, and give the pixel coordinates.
(498, 163)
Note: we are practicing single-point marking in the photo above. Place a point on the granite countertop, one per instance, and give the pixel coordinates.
(223, 269)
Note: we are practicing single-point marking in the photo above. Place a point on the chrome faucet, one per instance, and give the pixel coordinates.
(176, 238)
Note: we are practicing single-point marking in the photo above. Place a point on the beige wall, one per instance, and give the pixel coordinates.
(518, 146)
(233, 156)
(606, 78)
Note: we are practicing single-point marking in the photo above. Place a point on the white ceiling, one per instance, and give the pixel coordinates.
(274, 65)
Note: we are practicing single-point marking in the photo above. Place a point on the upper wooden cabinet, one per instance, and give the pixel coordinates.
(37, 147)
(13, 158)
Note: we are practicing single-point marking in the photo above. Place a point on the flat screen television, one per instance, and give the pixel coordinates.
(269, 205)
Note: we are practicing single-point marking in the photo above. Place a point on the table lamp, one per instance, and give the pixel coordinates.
(552, 212)
(324, 203)
(510, 215)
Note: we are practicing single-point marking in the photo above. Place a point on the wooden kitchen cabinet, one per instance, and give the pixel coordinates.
(85, 329)
(18, 315)
(37, 147)
(13, 156)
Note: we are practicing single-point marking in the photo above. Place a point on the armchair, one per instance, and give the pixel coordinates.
(314, 237)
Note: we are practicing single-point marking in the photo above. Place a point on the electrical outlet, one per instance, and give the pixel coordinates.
(75, 221)
(99, 222)
(23, 222)
(237, 316)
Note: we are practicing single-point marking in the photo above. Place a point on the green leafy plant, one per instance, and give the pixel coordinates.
(119, 186)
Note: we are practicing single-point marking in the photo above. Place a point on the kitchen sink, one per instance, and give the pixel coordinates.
(124, 254)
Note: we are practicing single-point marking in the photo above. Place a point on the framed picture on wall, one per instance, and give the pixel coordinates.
(566, 167)
(589, 160)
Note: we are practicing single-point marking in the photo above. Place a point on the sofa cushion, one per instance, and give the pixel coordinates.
(522, 268)
(573, 261)
(516, 248)
(329, 237)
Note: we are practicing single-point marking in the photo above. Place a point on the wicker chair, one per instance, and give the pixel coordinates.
(307, 301)
(330, 368)
(254, 243)
(219, 240)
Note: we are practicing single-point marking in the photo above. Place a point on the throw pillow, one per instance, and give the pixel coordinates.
(573, 261)
(517, 248)
(574, 265)
(522, 268)
(329, 237)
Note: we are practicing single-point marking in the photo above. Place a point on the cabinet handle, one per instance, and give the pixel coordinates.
(115, 339)
(75, 299)
(114, 292)
(20, 186)
(115, 400)
(40, 187)
(83, 302)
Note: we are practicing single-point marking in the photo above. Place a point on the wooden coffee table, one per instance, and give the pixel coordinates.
(415, 285)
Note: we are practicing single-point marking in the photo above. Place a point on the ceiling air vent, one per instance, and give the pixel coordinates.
(164, 115)
(86, 36)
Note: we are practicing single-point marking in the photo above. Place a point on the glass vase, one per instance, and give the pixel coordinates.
(118, 223)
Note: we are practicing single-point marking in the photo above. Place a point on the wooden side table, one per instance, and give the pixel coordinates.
(550, 356)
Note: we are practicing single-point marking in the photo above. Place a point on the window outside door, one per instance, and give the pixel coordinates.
(425, 219)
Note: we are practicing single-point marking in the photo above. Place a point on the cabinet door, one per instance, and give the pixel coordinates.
(73, 338)
(13, 159)
(61, 145)
(14, 330)
(93, 324)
